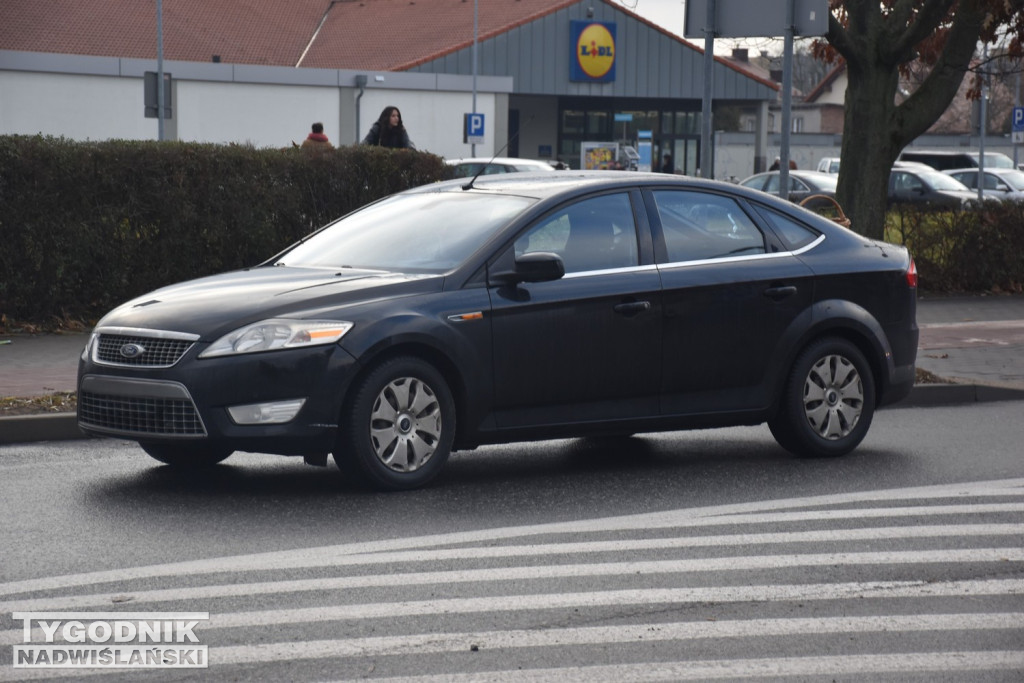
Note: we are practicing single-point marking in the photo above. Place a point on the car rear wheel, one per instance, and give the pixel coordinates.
(399, 425)
(828, 401)
(185, 456)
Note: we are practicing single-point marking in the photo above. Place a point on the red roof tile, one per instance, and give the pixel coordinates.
(385, 35)
(357, 34)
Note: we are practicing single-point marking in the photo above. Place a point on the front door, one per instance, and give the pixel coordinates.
(586, 347)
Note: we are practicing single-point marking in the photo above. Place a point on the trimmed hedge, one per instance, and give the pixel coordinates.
(980, 250)
(86, 226)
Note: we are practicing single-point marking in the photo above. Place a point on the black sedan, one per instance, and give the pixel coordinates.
(515, 307)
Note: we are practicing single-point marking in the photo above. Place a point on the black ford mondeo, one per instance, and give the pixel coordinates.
(515, 308)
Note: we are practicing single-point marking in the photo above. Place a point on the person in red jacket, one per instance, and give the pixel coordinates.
(317, 140)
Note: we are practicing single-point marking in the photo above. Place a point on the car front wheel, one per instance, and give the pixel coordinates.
(828, 401)
(185, 456)
(398, 427)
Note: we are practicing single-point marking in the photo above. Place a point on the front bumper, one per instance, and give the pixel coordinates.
(189, 401)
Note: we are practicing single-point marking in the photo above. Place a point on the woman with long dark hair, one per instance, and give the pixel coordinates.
(388, 131)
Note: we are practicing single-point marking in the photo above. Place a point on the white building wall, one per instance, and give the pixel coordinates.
(87, 98)
(258, 114)
(79, 107)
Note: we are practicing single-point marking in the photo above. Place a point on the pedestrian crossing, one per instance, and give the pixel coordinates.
(922, 583)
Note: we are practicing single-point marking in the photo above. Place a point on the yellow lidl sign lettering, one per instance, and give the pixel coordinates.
(594, 51)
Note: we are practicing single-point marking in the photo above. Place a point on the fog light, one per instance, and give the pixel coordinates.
(266, 413)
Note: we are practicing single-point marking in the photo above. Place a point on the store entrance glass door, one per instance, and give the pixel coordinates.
(685, 155)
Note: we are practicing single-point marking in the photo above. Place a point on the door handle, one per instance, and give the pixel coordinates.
(632, 307)
(780, 293)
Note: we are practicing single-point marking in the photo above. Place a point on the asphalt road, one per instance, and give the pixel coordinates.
(683, 556)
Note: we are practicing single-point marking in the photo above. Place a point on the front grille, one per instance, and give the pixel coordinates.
(156, 352)
(136, 415)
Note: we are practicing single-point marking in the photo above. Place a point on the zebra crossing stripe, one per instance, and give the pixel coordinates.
(534, 572)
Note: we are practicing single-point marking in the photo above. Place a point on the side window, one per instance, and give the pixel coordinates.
(792, 234)
(700, 225)
(906, 183)
(967, 179)
(593, 234)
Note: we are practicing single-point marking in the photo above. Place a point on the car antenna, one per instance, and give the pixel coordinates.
(469, 185)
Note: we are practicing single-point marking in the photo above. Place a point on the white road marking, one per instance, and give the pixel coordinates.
(961, 500)
(744, 513)
(533, 572)
(771, 669)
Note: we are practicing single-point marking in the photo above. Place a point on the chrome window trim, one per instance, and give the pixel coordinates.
(751, 257)
(609, 271)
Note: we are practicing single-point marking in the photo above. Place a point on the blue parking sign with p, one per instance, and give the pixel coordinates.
(473, 128)
(1018, 118)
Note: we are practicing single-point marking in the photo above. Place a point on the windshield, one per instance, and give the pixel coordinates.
(941, 181)
(430, 233)
(995, 160)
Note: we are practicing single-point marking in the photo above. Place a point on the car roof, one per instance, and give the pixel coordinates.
(997, 170)
(577, 182)
(496, 160)
(798, 172)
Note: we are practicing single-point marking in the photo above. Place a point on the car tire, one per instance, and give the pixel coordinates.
(398, 427)
(186, 456)
(827, 402)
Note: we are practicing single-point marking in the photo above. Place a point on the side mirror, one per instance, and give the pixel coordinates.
(538, 266)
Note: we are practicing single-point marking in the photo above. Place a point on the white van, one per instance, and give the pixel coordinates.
(945, 160)
(828, 165)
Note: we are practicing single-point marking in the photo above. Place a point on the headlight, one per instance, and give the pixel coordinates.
(87, 351)
(278, 333)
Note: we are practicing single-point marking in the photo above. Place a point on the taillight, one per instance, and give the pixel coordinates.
(912, 274)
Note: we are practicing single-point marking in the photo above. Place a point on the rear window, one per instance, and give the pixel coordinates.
(792, 234)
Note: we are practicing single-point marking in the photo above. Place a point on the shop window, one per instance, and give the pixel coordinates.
(597, 123)
(573, 122)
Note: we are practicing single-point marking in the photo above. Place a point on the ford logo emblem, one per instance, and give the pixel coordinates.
(132, 350)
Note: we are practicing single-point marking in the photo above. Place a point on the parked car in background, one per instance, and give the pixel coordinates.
(928, 188)
(828, 165)
(1003, 183)
(942, 160)
(467, 168)
(522, 306)
(802, 184)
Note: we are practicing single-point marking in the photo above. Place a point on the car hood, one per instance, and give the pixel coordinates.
(212, 306)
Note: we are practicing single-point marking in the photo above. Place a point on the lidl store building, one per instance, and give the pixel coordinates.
(545, 86)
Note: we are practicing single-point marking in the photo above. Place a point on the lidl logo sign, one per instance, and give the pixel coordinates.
(594, 52)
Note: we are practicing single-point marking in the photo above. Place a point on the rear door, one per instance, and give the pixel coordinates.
(730, 293)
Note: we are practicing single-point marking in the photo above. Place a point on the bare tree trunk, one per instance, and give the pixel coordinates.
(868, 148)
(875, 127)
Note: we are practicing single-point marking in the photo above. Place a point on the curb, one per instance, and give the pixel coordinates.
(30, 428)
(929, 395)
(64, 426)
